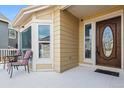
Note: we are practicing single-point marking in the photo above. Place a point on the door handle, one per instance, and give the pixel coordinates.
(97, 51)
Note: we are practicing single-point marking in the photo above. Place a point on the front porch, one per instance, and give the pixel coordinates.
(91, 43)
(79, 77)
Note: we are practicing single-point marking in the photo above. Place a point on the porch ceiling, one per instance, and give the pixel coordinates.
(86, 10)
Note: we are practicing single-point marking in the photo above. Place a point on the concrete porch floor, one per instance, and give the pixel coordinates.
(79, 77)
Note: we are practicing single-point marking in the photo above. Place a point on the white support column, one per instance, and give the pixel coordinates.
(19, 45)
(94, 43)
(34, 43)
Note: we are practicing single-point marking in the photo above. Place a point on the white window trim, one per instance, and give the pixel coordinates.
(46, 22)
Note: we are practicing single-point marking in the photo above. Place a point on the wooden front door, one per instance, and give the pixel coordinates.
(108, 42)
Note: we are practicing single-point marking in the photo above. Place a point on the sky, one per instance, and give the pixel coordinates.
(10, 11)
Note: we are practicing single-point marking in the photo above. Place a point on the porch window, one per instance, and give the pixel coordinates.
(88, 40)
(26, 38)
(44, 41)
(12, 34)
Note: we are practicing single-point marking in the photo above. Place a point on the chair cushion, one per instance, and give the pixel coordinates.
(20, 62)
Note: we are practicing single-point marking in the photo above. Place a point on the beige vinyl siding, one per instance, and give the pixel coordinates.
(68, 41)
(43, 66)
(26, 21)
(81, 42)
(47, 16)
(44, 14)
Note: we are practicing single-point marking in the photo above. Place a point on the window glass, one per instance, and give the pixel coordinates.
(107, 41)
(88, 43)
(26, 38)
(44, 32)
(44, 50)
(12, 34)
(44, 41)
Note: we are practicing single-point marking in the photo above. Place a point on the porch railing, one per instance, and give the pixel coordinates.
(6, 52)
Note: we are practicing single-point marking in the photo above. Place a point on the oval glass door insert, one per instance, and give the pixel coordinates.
(107, 41)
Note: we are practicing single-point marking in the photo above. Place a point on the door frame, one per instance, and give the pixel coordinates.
(88, 60)
(101, 18)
